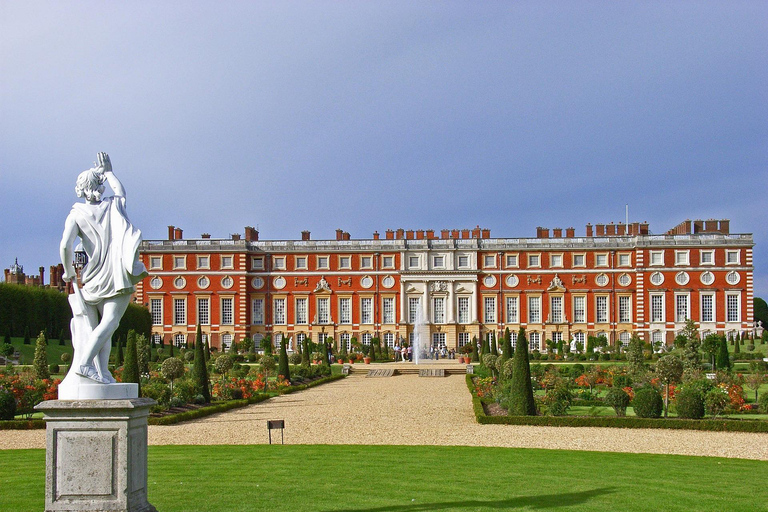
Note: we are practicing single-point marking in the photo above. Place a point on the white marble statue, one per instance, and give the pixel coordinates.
(113, 268)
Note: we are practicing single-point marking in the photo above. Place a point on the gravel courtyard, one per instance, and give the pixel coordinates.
(409, 410)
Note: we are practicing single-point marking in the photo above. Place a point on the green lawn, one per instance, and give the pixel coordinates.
(417, 478)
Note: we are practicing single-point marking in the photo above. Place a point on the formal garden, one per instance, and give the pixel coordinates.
(696, 384)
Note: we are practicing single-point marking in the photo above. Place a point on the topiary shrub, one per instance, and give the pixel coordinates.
(763, 403)
(7, 405)
(716, 401)
(224, 363)
(53, 368)
(189, 356)
(295, 358)
(648, 403)
(158, 391)
(618, 399)
(690, 404)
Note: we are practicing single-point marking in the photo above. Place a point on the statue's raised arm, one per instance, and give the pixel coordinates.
(104, 165)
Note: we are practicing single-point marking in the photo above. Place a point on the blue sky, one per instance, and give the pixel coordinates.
(373, 115)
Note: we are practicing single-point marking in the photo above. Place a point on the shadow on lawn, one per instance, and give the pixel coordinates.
(546, 501)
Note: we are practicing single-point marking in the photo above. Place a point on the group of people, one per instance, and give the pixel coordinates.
(405, 353)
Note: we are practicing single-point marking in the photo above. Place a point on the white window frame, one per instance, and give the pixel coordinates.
(464, 313)
(465, 264)
(323, 262)
(414, 259)
(278, 262)
(438, 261)
(604, 256)
(620, 256)
(652, 255)
(345, 310)
(366, 261)
(579, 309)
(732, 307)
(680, 315)
(489, 260)
(682, 257)
(704, 308)
(279, 311)
(227, 311)
(179, 262)
(708, 252)
(204, 312)
(156, 310)
(489, 309)
(512, 260)
(203, 262)
(257, 263)
(345, 262)
(513, 309)
(657, 300)
(324, 310)
(155, 262)
(388, 310)
(366, 310)
(179, 311)
(734, 254)
(625, 309)
(301, 311)
(556, 260)
(390, 264)
(556, 312)
(534, 309)
(414, 304)
(301, 262)
(602, 312)
(579, 264)
(534, 260)
(534, 341)
(438, 310)
(257, 311)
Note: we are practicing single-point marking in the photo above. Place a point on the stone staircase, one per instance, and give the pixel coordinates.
(431, 369)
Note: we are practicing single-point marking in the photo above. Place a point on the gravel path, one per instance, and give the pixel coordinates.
(408, 410)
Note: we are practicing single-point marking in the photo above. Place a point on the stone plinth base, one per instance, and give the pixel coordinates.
(96, 455)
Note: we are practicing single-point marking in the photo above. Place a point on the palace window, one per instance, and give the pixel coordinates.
(180, 262)
(463, 261)
(625, 309)
(388, 309)
(707, 257)
(438, 310)
(438, 261)
(463, 339)
(156, 309)
(681, 257)
(657, 258)
(257, 308)
(155, 262)
(556, 309)
(601, 260)
(463, 310)
(322, 262)
(345, 262)
(366, 338)
(257, 263)
(624, 259)
(555, 260)
(279, 262)
(657, 308)
(227, 317)
(682, 312)
(513, 338)
(414, 304)
(180, 311)
(707, 307)
(389, 339)
(413, 262)
(180, 340)
(345, 310)
(511, 260)
(204, 311)
(601, 309)
(732, 308)
(534, 341)
(366, 310)
(301, 310)
(388, 261)
(203, 262)
(579, 309)
(579, 260)
(489, 316)
(301, 262)
(534, 260)
(624, 338)
(366, 262)
(513, 310)
(534, 310)
(731, 257)
(346, 340)
(278, 312)
(324, 310)
(489, 260)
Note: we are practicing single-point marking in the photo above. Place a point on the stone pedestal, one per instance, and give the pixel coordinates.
(96, 455)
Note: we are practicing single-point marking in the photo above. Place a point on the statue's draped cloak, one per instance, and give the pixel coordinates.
(113, 266)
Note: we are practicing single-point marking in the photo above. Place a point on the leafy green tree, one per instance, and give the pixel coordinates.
(41, 358)
(475, 354)
(199, 368)
(723, 359)
(507, 347)
(119, 357)
(761, 311)
(669, 368)
(521, 402)
(711, 345)
(172, 368)
(266, 345)
(226, 362)
(691, 354)
(635, 356)
(143, 353)
(756, 377)
(619, 400)
(282, 366)
(131, 366)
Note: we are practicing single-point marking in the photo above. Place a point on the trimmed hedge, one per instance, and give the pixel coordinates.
(21, 424)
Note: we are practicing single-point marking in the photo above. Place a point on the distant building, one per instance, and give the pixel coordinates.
(16, 275)
(451, 286)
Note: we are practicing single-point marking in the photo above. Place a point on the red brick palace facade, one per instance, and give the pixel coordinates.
(452, 285)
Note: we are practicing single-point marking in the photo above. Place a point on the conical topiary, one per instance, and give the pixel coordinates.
(521, 402)
(475, 354)
(494, 346)
(507, 346)
(282, 361)
(199, 368)
(27, 336)
(131, 366)
(119, 356)
(723, 361)
(41, 358)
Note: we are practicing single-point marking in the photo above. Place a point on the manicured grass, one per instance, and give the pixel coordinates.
(417, 478)
(28, 351)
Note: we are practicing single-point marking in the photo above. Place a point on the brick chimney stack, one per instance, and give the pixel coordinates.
(305, 235)
(251, 234)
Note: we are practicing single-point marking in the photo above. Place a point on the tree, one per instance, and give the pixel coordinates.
(172, 368)
(62, 340)
(494, 347)
(756, 378)
(475, 354)
(119, 356)
(131, 366)
(691, 355)
(7, 337)
(199, 368)
(27, 336)
(635, 355)
(143, 353)
(305, 354)
(282, 366)
(485, 347)
(761, 311)
(737, 345)
(507, 347)
(723, 361)
(521, 402)
(711, 345)
(669, 368)
(41, 358)
(371, 350)
(266, 345)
